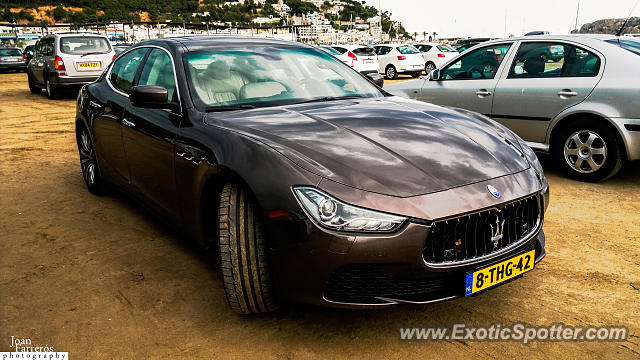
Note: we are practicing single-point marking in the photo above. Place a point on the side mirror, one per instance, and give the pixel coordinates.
(376, 78)
(149, 96)
(434, 75)
(30, 53)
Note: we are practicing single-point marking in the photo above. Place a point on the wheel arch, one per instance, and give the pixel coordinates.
(563, 123)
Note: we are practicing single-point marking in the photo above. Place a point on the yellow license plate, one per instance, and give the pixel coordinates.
(500, 272)
(89, 65)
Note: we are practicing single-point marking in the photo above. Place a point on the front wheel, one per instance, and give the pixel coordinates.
(243, 252)
(391, 72)
(588, 151)
(416, 74)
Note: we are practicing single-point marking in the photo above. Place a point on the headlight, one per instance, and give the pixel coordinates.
(336, 215)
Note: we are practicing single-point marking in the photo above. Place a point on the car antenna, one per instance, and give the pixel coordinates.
(626, 21)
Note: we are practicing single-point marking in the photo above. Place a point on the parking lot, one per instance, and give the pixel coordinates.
(100, 276)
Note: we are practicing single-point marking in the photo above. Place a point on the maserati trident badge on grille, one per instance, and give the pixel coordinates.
(493, 191)
(496, 232)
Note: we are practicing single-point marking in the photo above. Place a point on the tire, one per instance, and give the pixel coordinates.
(35, 89)
(52, 91)
(390, 72)
(416, 74)
(588, 150)
(88, 162)
(429, 67)
(243, 253)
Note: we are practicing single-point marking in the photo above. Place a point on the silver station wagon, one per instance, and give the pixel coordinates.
(575, 96)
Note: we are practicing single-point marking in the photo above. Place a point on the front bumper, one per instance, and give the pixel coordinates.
(64, 80)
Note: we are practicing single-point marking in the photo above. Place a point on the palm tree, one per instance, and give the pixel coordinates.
(434, 35)
(424, 36)
(415, 35)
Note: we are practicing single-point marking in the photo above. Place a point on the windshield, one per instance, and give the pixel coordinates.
(84, 45)
(270, 76)
(10, 52)
(408, 50)
(446, 48)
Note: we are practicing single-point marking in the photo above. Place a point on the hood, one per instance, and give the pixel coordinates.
(388, 145)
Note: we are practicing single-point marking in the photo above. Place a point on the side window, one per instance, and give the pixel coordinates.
(544, 59)
(124, 69)
(158, 70)
(481, 63)
(539, 59)
(384, 50)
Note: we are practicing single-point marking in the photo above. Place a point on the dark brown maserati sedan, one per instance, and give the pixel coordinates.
(305, 181)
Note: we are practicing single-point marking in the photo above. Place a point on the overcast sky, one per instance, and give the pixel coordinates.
(463, 18)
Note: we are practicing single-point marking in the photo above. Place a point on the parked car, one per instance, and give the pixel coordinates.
(532, 33)
(29, 51)
(586, 114)
(373, 76)
(120, 47)
(464, 44)
(68, 60)
(12, 59)
(394, 59)
(435, 54)
(308, 183)
(362, 58)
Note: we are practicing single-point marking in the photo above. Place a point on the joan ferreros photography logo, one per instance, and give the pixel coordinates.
(517, 332)
(24, 348)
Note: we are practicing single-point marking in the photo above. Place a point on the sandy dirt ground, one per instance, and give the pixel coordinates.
(100, 278)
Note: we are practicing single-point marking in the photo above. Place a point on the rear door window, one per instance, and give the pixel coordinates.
(549, 59)
(124, 69)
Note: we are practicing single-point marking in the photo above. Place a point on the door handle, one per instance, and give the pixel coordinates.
(128, 123)
(483, 93)
(565, 93)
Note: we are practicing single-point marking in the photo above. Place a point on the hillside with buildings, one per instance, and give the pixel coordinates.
(320, 21)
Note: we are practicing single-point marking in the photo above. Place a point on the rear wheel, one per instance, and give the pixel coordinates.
(588, 151)
(243, 253)
(52, 91)
(391, 72)
(35, 89)
(88, 163)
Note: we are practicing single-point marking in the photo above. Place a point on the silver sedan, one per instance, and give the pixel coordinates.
(575, 96)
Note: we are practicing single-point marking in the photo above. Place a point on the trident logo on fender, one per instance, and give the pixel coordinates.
(496, 232)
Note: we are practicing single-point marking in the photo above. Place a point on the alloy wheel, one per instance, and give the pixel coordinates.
(585, 151)
(87, 158)
(391, 72)
(429, 68)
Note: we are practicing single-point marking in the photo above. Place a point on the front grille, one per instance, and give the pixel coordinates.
(363, 283)
(476, 235)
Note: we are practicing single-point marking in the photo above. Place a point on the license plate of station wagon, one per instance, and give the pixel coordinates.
(497, 273)
(89, 65)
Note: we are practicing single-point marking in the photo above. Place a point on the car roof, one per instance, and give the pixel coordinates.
(204, 41)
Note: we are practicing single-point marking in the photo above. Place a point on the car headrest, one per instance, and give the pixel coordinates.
(261, 89)
(534, 65)
(218, 70)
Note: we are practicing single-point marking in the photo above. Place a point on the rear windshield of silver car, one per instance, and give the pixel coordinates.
(631, 45)
(83, 45)
(10, 52)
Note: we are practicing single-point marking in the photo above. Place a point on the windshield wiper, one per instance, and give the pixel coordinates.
(332, 98)
(92, 53)
(229, 107)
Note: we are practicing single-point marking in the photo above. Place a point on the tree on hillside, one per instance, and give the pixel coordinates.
(59, 13)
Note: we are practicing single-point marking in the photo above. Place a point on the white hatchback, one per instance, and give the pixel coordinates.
(394, 59)
(361, 58)
(436, 54)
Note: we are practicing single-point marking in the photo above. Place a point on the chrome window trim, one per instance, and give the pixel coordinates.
(175, 74)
